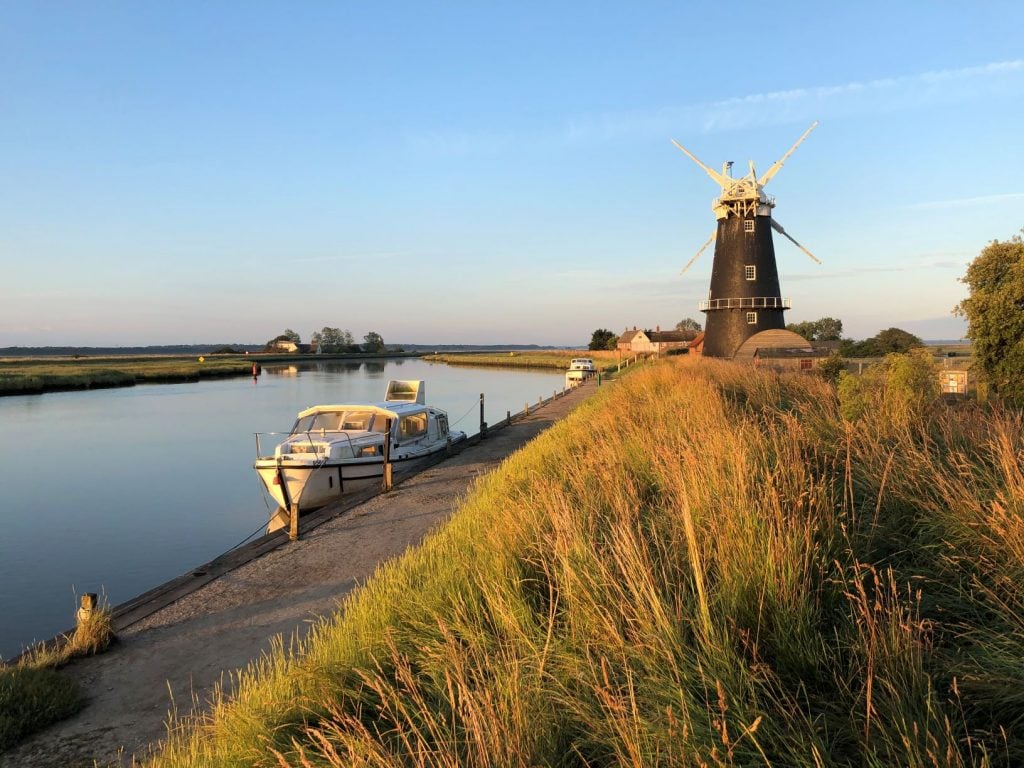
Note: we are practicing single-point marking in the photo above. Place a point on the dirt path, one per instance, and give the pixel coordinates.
(175, 656)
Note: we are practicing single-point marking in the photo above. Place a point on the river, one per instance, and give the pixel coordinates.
(115, 491)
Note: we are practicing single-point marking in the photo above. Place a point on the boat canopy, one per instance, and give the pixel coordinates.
(411, 391)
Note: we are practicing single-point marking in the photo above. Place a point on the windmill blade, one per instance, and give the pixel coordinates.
(775, 168)
(719, 178)
(702, 249)
(778, 228)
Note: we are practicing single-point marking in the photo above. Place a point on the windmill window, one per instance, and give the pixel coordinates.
(750, 272)
(748, 225)
(752, 318)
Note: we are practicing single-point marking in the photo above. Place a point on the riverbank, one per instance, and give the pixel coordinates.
(187, 646)
(34, 376)
(603, 360)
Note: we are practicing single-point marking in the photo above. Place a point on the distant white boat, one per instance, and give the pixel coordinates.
(333, 449)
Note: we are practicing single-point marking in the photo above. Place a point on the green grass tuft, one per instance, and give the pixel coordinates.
(31, 699)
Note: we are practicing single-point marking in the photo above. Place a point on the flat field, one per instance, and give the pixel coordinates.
(26, 376)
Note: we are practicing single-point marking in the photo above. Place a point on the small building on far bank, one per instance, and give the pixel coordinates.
(654, 342)
(290, 347)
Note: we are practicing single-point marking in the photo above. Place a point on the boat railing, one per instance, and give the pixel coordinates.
(309, 437)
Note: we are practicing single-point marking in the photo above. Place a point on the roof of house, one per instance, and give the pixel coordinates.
(628, 335)
(775, 338)
(664, 336)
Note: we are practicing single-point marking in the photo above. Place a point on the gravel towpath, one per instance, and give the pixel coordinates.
(173, 658)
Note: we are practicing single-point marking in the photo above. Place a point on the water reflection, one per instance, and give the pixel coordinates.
(161, 478)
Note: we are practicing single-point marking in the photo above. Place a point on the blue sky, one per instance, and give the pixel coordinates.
(478, 172)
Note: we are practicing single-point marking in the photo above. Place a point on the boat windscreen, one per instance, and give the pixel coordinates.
(337, 421)
(327, 421)
(380, 423)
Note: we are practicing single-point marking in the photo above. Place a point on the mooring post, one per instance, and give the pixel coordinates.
(293, 522)
(526, 409)
(483, 424)
(386, 480)
(508, 418)
(87, 605)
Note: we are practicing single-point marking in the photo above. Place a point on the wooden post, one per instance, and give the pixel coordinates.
(526, 409)
(483, 424)
(293, 523)
(386, 480)
(87, 605)
(508, 417)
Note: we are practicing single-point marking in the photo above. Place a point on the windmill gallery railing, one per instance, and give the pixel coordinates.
(750, 302)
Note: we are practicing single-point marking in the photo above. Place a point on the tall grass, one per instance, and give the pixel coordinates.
(703, 565)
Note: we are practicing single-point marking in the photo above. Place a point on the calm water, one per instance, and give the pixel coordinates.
(118, 490)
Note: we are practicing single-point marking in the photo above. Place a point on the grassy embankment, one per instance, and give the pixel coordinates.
(603, 360)
(33, 694)
(24, 376)
(703, 565)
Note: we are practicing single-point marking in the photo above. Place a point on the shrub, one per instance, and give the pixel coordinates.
(831, 368)
(900, 387)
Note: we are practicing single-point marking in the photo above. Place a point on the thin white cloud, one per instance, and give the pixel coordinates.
(967, 202)
(930, 264)
(858, 97)
(803, 104)
(345, 257)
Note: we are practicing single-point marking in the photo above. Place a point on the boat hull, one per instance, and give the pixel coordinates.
(311, 485)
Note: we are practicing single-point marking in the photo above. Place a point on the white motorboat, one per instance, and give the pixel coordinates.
(333, 449)
(580, 369)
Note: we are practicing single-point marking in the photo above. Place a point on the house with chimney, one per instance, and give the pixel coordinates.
(656, 342)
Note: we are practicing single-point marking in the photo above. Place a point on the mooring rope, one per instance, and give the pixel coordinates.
(474, 405)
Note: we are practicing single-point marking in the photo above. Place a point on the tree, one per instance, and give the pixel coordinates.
(332, 339)
(829, 329)
(688, 324)
(824, 329)
(373, 342)
(995, 315)
(889, 341)
(900, 388)
(600, 339)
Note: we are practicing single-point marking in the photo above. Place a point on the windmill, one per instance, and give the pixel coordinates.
(744, 298)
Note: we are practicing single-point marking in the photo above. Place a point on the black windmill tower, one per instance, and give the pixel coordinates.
(744, 298)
